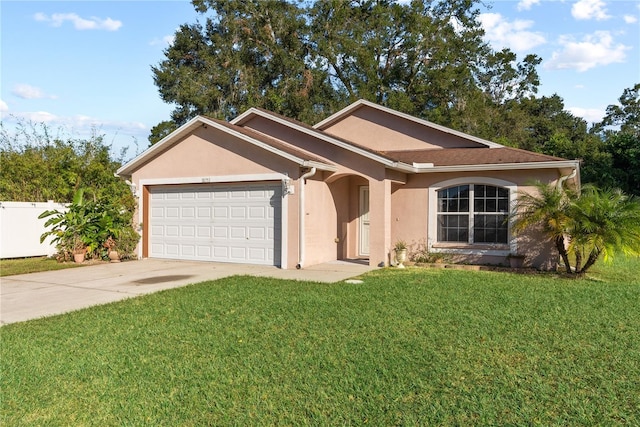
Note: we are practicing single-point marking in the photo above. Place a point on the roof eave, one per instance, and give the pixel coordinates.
(555, 164)
(165, 143)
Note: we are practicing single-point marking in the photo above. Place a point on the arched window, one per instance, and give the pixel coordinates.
(473, 213)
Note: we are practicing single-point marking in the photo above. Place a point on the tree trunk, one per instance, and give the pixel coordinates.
(593, 257)
(563, 253)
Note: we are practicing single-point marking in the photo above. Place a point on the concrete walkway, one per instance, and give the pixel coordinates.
(30, 296)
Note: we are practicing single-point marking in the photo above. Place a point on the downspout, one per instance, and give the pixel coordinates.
(301, 216)
(564, 178)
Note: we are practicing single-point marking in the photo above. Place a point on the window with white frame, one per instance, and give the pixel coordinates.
(473, 213)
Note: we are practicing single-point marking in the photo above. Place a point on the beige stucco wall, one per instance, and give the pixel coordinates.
(410, 214)
(210, 153)
(378, 130)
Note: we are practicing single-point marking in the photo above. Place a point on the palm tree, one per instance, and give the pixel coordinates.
(605, 222)
(593, 223)
(548, 209)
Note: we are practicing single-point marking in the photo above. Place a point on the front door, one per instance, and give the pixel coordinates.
(363, 229)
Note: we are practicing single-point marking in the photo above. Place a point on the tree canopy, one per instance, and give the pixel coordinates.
(306, 60)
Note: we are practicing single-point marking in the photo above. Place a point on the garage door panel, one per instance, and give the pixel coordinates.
(220, 212)
(238, 212)
(204, 251)
(188, 231)
(204, 232)
(233, 223)
(204, 212)
(188, 212)
(238, 233)
(172, 212)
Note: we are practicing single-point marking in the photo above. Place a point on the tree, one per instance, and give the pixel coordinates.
(620, 131)
(604, 222)
(426, 58)
(549, 209)
(38, 166)
(585, 225)
(247, 54)
(624, 150)
(627, 114)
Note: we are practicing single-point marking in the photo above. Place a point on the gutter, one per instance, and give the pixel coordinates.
(430, 168)
(301, 222)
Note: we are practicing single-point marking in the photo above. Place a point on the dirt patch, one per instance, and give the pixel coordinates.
(162, 279)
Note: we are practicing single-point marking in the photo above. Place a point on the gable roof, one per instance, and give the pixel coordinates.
(255, 138)
(350, 109)
(490, 156)
(311, 131)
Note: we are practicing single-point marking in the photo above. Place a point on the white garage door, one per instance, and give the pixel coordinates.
(229, 223)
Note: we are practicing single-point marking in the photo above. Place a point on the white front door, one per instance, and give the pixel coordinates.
(363, 229)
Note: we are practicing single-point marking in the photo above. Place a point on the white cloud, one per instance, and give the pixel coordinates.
(515, 35)
(80, 124)
(526, 4)
(590, 9)
(591, 115)
(3, 106)
(164, 41)
(26, 91)
(595, 50)
(79, 23)
(630, 19)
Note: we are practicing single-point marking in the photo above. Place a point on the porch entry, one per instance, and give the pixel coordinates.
(363, 227)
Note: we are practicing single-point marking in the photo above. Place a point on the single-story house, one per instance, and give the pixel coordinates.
(266, 189)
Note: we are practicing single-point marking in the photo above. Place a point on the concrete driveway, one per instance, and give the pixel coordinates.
(30, 296)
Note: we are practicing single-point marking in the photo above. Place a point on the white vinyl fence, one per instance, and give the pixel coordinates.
(20, 229)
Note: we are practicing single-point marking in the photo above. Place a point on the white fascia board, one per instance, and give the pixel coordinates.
(320, 166)
(243, 116)
(574, 164)
(409, 117)
(320, 135)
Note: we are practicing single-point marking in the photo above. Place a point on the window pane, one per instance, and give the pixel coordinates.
(453, 228)
(503, 205)
(479, 190)
(490, 205)
(478, 205)
(464, 191)
(503, 193)
(490, 229)
(464, 205)
(490, 191)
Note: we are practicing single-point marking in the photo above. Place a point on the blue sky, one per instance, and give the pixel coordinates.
(78, 65)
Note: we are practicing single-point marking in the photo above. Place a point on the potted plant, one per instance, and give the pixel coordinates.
(112, 249)
(400, 249)
(79, 249)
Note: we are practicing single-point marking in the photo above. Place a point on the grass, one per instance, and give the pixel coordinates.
(9, 267)
(412, 347)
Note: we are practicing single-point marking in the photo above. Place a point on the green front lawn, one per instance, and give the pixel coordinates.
(9, 267)
(412, 347)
